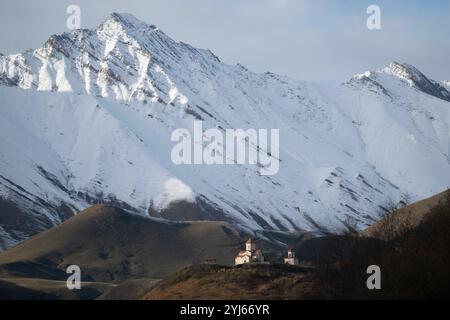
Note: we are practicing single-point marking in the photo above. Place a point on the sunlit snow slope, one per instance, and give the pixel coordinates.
(88, 117)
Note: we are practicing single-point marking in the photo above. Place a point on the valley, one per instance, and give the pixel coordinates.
(129, 257)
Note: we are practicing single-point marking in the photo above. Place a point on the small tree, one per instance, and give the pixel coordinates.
(351, 226)
(393, 223)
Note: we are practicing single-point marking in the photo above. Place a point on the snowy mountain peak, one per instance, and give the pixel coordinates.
(405, 71)
(129, 20)
(118, 22)
(446, 83)
(123, 59)
(379, 81)
(417, 79)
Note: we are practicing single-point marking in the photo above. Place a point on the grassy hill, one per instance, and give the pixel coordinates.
(398, 222)
(112, 246)
(414, 265)
(414, 261)
(276, 281)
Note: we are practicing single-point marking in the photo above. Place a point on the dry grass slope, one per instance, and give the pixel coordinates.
(244, 282)
(111, 245)
(414, 263)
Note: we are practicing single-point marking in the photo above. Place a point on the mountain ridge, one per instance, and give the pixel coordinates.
(96, 129)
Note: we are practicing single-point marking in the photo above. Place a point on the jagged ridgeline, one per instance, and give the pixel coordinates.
(87, 118)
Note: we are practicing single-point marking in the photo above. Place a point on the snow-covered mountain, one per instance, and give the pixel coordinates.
(446, 84)
(88, 118)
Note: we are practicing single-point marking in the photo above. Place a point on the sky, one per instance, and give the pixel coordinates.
(316, 40)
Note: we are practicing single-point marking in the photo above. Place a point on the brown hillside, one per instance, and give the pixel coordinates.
(404, 219)
(235, 283)
(414, 265)
(112, 245)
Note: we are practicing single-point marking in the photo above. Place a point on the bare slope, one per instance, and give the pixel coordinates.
(407, 218)
(414, 265)
(112, 245)
(245, 282)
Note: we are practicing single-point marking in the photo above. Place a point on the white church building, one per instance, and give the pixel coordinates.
(250, 256)
(291, 259)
